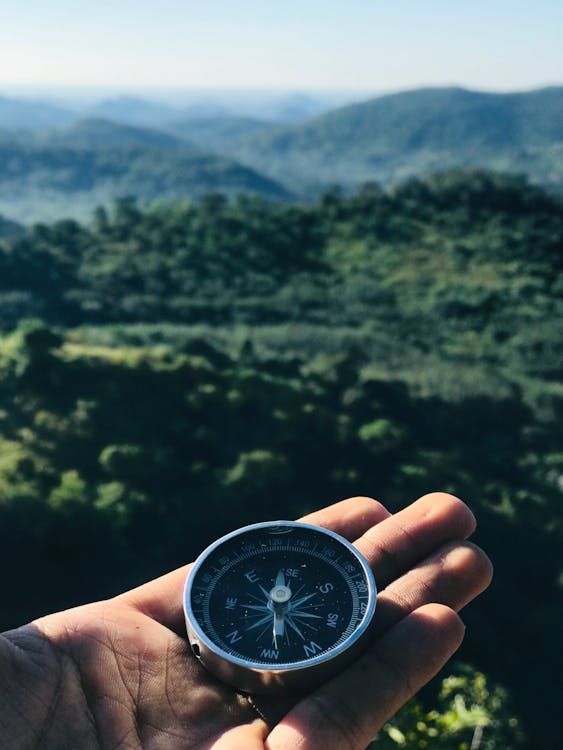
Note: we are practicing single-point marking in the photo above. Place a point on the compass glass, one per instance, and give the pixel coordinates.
(280, 594)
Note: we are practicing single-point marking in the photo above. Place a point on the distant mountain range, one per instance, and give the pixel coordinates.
(17, 114)
(57, 165)
(272, 106)
(399, 135)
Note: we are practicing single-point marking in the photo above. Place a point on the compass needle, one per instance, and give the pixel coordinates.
(278, 606)
(279, 627)
(279, 624)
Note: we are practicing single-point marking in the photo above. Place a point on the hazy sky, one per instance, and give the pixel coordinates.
(364, 44)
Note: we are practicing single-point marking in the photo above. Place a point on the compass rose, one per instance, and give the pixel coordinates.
(281, 607)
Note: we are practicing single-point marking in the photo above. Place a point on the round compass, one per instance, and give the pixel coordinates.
(278, 606)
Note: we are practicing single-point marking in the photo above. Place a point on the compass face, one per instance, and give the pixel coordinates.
(279, 595)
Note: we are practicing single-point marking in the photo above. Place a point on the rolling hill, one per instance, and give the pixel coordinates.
(412, 133)
(97, 133)
(131, 110)
(219, 133)
(9, 228)
(32, 114)
(68, 173)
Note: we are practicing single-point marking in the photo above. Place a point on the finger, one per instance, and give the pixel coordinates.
(350, 518)
(348, 711)
(390, 543)
(161, 599)
(247, 736)
(407, 537)
(453, 576)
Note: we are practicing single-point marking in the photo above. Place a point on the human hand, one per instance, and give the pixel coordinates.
(120, 673)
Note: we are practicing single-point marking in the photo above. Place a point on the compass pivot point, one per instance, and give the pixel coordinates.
(280, 594)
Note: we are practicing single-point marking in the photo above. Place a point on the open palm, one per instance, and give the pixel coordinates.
(120, 673)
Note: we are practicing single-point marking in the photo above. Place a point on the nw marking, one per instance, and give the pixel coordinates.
(269, 653)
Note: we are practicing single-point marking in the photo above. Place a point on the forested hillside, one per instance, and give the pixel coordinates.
(97, 161)
(172, 372)
(413, 133)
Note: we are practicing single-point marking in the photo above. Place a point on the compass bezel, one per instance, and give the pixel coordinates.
(247, 673)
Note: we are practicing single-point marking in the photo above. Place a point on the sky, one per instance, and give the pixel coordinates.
(295, 44)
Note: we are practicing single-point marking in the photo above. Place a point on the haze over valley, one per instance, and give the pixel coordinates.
(57, 161)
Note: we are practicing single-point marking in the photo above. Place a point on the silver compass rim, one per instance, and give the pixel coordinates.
(193, 624)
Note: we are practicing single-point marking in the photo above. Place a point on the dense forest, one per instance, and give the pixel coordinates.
(170, 372)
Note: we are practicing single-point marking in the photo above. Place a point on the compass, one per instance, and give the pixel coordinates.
(278, 607)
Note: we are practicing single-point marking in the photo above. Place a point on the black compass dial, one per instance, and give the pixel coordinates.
(280, 594)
